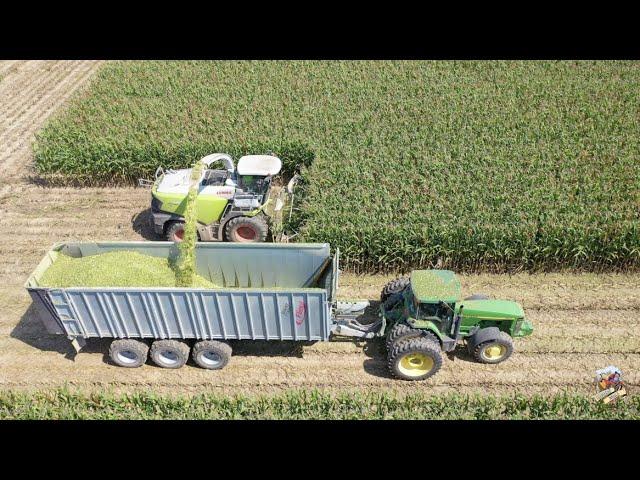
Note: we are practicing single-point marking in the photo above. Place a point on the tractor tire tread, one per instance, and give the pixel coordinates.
(394, 286)
(402, 330)
(421, 344)
(502, 338)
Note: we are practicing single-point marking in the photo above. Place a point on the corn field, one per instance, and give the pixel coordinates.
(499, 166)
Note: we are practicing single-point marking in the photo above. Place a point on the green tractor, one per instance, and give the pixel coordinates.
(424, 316)
(231, 202)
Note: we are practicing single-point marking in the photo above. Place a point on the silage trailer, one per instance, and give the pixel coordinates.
(269, 291)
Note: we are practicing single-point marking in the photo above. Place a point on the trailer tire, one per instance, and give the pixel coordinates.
(415, 359)
(402, 331)
(494, 350)
(394, 286)
(170, 353)
(211, 354)
(247, 229)
(128, 353)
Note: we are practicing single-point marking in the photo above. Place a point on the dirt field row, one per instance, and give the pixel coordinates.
(582, 322)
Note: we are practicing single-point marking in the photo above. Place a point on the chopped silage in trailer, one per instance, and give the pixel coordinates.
(115, 269)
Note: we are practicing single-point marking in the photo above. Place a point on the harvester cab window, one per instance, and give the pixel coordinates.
(215, 177)
(255, 184)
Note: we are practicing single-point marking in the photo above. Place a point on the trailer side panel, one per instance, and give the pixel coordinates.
(297, 314)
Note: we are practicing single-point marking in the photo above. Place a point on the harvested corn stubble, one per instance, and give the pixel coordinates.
(114, 269)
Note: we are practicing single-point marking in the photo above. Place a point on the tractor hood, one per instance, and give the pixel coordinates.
(492, 309)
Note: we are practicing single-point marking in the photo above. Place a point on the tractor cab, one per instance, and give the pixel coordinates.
(432, 296)
(424, 315)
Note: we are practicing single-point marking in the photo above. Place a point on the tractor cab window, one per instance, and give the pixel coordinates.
(437, 313)
(428, 310)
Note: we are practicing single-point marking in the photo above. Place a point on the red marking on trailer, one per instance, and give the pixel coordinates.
(300, 311)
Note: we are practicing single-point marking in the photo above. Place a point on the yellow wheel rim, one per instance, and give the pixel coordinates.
(494, 351)
(415, 364)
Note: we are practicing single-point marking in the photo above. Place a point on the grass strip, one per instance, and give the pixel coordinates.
(301, 404)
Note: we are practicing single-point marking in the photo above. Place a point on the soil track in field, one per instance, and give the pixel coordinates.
(582, 322)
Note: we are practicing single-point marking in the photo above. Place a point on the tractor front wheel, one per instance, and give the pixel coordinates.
(247, 229)
(495, 350)
(415, 359)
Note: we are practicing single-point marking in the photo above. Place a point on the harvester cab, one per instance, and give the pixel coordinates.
(231, 200)
(423, 315)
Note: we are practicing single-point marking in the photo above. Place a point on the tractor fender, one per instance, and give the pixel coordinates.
(425, 326)
(481, 336)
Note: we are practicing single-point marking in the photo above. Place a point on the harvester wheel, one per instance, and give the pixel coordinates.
(394, 286)
(170, 353)
(211, 354)
(402, 331)
(415, 359)
(175, 232)
(128, 353)
(495, 350)
(247, 229)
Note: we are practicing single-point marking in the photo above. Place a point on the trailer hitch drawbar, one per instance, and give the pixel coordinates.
(347, 325)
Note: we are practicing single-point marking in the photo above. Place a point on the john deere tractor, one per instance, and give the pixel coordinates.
(425, 316)
(230, 201)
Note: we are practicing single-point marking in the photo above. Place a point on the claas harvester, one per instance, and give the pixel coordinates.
(231, 201)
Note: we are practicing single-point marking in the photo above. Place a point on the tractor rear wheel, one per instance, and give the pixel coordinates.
(394, 286)
(495, 350)
(247, 229)
(415, 359)
(402, 331)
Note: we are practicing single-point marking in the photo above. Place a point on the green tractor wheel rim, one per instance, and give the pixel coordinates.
(494, 351)
(416, 364)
